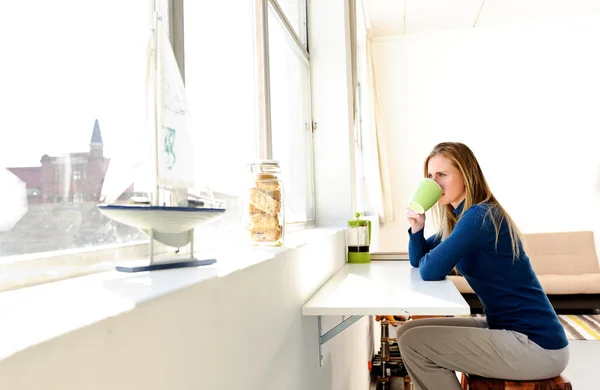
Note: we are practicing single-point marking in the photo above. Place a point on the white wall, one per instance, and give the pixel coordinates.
(524, 98)
(243, 330)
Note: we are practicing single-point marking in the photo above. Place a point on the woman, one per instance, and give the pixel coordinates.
(521, 337)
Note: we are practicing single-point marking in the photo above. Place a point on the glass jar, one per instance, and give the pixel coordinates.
(264, 206)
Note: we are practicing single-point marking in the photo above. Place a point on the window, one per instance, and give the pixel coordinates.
(291, 120)
(78, 197)
(221, 90)
(295, 13)
(68, 75)
(219, 79)
(33, 192)
(101, 87)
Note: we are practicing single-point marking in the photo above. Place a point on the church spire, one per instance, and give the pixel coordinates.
(96, 145)
(96, 135)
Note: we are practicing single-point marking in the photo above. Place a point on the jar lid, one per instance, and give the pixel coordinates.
(264, 166)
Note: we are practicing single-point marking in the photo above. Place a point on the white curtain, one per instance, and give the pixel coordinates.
(377, 172)
(374, 180)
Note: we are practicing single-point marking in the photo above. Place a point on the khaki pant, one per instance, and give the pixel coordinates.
(433, 349)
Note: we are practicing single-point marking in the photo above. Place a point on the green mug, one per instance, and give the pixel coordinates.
(427, 193)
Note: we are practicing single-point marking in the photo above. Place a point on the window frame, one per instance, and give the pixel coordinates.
(263, 75)
(102, 257)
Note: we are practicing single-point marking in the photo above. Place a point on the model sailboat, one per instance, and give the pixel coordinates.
(170, 214)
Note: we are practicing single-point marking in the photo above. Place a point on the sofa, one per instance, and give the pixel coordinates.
(566, 264)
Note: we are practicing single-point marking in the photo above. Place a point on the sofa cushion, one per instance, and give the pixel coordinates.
(461, 284)
(570, 284)
(562, 253)
(552, 284)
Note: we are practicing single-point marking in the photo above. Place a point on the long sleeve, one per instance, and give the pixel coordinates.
(465, 238)
(419, 247)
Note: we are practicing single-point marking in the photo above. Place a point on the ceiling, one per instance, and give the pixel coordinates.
(397, 17)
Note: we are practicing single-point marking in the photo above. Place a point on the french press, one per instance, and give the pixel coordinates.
(358, 238)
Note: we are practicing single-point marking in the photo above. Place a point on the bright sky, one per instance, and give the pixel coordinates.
(69, 62)
(65, 64)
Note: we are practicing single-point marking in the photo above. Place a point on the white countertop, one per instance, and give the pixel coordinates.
(385, 288)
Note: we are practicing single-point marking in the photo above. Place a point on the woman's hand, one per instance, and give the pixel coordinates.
(416, 220)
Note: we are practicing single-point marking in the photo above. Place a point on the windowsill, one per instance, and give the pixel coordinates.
(28, 270)
(33, 315)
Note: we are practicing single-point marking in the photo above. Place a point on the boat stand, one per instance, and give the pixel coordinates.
(153, 264)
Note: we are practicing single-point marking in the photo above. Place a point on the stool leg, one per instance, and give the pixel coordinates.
(385, 351)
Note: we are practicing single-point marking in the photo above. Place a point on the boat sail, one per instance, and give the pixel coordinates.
(171, 213)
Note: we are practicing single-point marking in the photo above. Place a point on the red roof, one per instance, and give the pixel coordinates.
(30, 175)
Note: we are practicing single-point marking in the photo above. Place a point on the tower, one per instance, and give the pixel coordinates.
(96, 145)
(96, 165)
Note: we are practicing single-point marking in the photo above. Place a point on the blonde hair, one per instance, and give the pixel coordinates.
(477, 191)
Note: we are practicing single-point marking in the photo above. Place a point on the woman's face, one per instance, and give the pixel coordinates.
(442, 171)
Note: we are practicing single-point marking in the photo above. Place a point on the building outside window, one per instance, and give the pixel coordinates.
(84, 104)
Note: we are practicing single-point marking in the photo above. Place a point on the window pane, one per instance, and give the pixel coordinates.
(295, 12)
(73, 99)
(363, 121)
(219, 63)
(291, 122)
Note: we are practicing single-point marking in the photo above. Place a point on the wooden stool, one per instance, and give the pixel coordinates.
(473, 382)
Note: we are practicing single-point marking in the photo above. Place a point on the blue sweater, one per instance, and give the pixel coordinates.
(510, 292)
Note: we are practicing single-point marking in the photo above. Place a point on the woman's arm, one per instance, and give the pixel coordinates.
(466, 237)
(418, 246)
